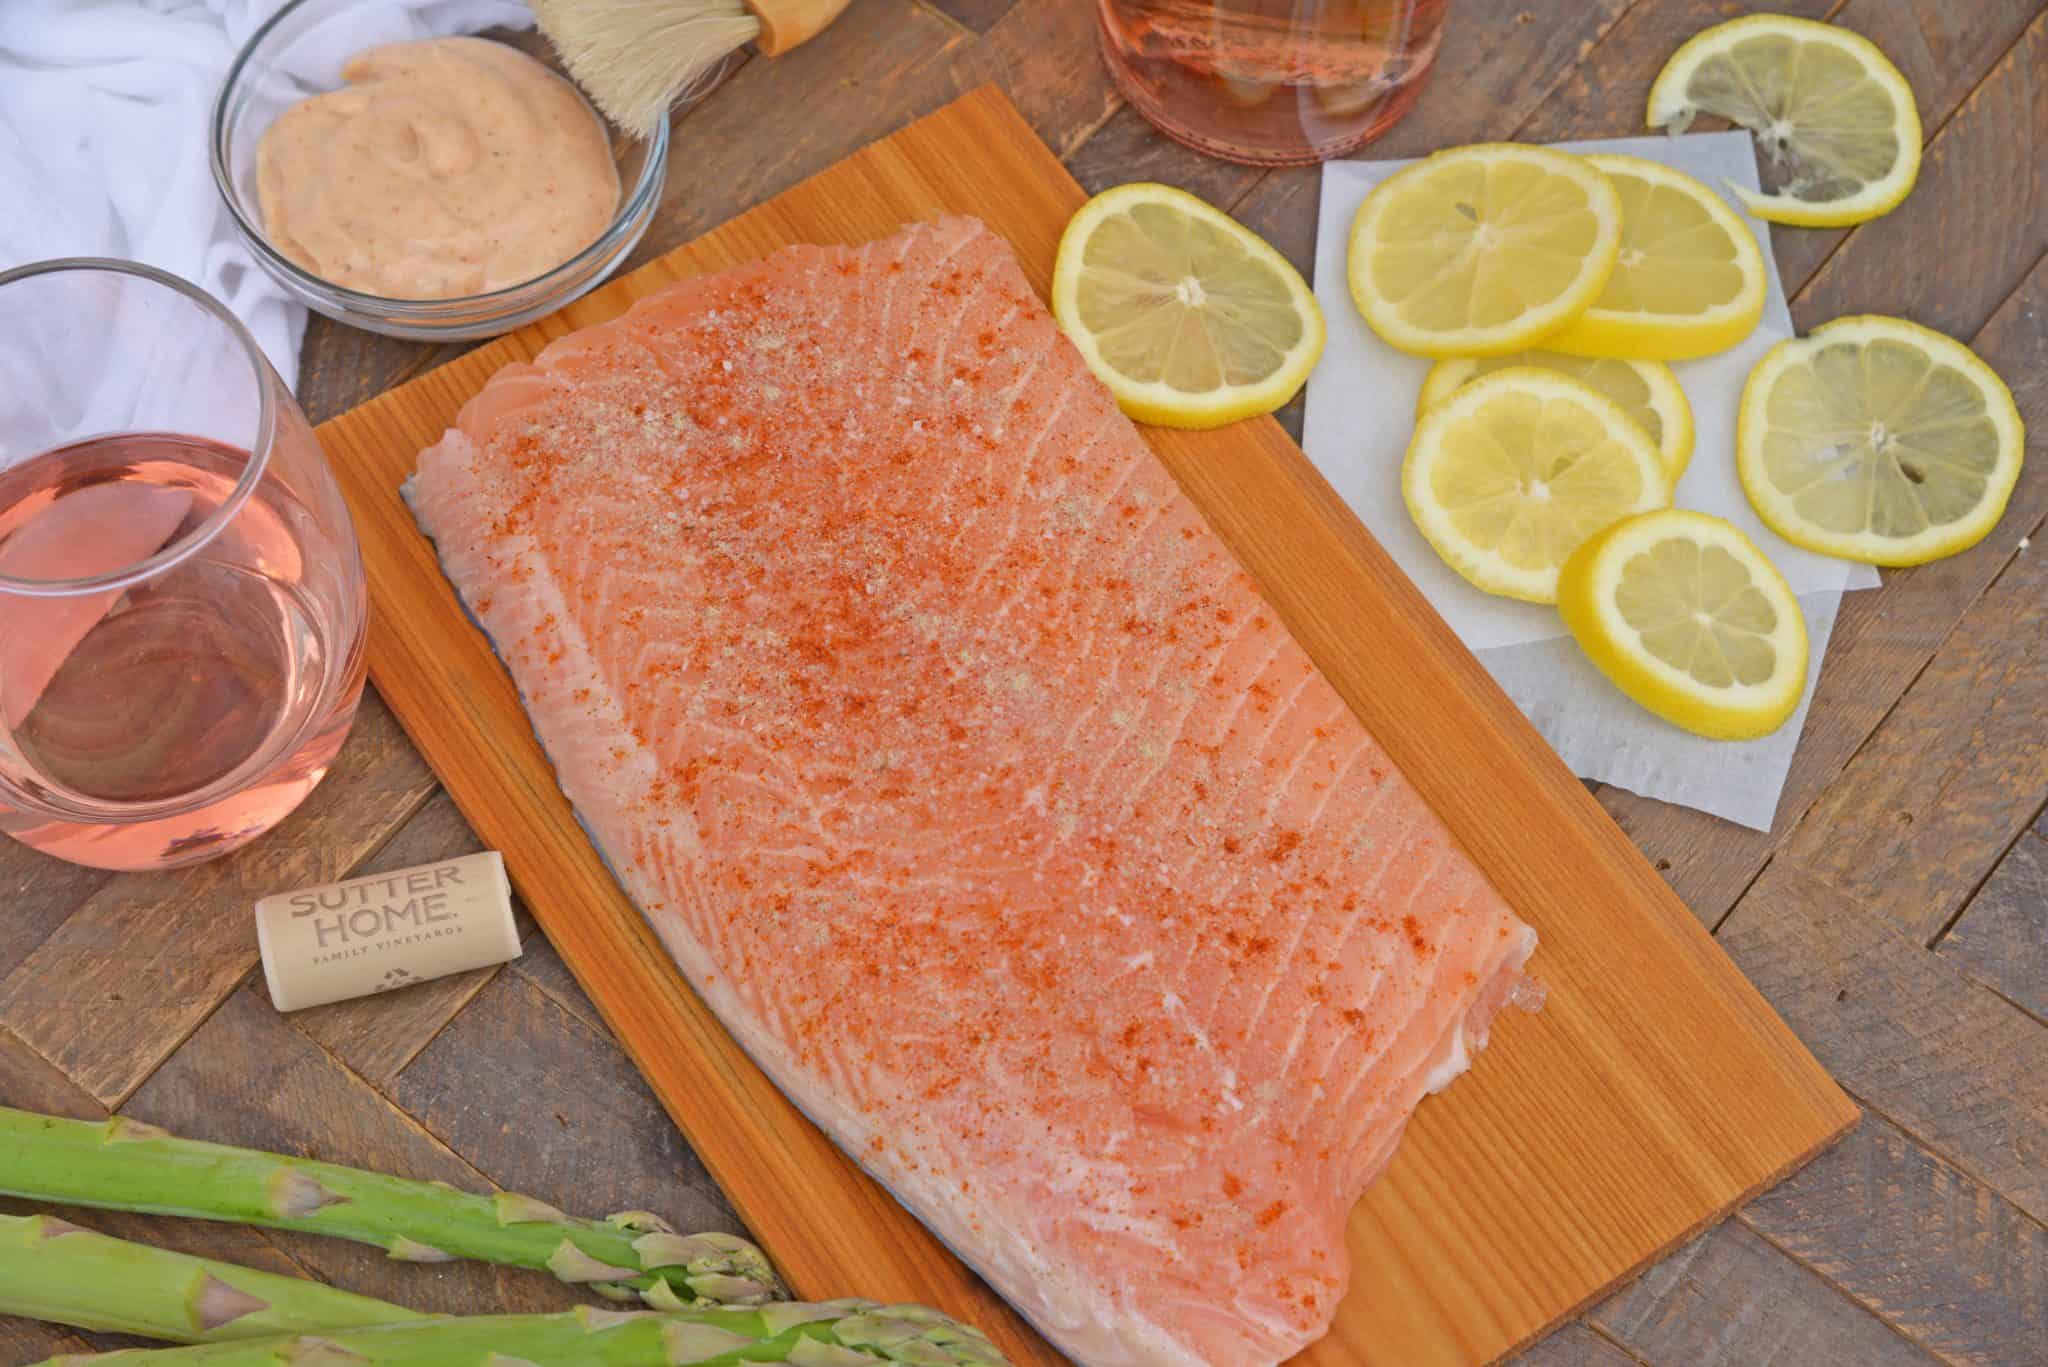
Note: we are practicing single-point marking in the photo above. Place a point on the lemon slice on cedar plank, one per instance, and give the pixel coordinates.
(1510, 474)
(1879, 440)
(1689, 279)
(1827, 105)
(1689, 618)
(1646, 390)
(1190, 318)
(1483, 250)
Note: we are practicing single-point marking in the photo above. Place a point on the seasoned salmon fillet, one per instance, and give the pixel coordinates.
(972, 783)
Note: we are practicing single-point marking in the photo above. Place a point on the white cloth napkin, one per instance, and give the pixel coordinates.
(103, 134)
(1359, 416)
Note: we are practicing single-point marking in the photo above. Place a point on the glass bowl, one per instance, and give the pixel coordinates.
(299, 53)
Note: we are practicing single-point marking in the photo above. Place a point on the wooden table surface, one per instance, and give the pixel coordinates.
(1897, 914)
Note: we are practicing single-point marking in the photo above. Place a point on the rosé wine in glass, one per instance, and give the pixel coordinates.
(182, 605)
(1271, 82)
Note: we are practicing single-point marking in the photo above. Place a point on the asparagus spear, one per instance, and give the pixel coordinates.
(122, 1164)
(835, 1334)
(52, 1270)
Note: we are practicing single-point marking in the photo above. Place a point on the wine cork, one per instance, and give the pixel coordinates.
(365, 935)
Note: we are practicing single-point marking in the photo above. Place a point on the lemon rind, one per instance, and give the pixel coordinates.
(1535, 325)
(1155, 402)
(1932, 544)
(1667, 104)
(1739, 712)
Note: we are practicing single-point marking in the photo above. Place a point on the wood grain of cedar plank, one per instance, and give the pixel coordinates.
(564, 1116)
(378, 1035)
(1976, 222)
(1902, 1029)
(2001, 939)
(1574, 1345)
(1730, 1299)
(141, 962)
(247, 1077)
(1945, 1261)
(1883, 639)
(1953, 775)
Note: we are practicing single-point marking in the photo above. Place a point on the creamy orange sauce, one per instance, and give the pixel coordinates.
(445, 167)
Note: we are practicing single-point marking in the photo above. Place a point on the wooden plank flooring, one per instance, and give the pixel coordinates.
(1897, 914)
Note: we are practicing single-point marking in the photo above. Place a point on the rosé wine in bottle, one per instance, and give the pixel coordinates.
(1271, 82)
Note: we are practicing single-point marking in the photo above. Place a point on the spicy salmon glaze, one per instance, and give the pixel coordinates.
(973, 784)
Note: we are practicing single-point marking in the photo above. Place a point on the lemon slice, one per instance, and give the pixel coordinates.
(1879, 440)
(1646, 390)
(1190, 318)
(1833, 113)
(1508, 476)
(1689, 618)
(1482, 250)
(1689, 280)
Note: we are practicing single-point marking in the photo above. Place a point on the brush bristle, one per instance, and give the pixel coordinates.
(637, 58)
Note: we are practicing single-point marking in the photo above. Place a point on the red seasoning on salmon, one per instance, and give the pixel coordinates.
(970, 780)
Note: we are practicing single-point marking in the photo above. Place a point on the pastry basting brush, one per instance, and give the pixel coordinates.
(635, 58)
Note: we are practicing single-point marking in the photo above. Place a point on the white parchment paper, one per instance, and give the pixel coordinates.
(1360, 412)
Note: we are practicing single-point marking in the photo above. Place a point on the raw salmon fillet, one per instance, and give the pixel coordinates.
(970, 780)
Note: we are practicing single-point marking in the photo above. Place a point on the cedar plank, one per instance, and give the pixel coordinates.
(1953, 775)
(2001, 939)
(247, 1077)
(1883, 639)
(1729, 1299)
(1960, 1068)
(1949, 1264)
(137, 966)
(378, 1035)
(542, 1103)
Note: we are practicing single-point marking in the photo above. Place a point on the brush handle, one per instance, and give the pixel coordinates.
(785, 23)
